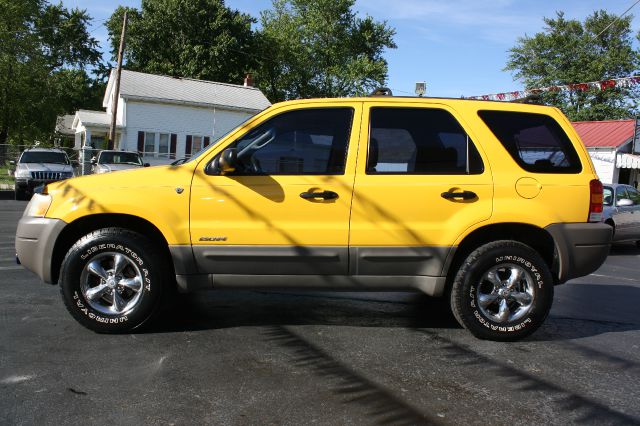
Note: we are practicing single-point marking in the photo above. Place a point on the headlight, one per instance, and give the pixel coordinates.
(23, 173)
(38, 205)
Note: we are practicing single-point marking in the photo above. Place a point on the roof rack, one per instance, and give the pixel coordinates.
(534, 99)
(382, 91)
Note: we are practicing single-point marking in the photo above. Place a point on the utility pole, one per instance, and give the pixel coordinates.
(116, 89)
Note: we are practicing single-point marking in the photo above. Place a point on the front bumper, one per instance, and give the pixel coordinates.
(580, 248)
(35, 240)
(29, 184)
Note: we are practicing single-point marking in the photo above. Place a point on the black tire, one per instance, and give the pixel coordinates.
(480, 290)
(21, 195)
(143, 263)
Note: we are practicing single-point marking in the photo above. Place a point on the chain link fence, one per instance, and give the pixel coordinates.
(80, 159)
(9, 155)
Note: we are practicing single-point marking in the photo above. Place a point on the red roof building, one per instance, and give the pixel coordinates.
(609, 145)
(605, 134)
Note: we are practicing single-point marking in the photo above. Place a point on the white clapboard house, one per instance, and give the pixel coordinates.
(166, 118)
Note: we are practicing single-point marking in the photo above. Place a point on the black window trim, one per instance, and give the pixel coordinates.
(209, 172)
(426, 173)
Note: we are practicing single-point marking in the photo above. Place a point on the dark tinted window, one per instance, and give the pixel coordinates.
(44, 157)
(120, 158)
(535, 141)
(607, 196)
(419, 141)
(311, 141)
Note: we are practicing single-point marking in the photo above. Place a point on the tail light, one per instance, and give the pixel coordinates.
(595, 202)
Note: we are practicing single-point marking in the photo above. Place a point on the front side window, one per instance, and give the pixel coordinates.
(535, 141)
(419, 141)
(311, 142)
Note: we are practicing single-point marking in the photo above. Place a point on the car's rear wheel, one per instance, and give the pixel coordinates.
(503, 291)
(112, 280)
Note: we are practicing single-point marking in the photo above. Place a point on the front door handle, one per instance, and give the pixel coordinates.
(325, 195)
(465, 195)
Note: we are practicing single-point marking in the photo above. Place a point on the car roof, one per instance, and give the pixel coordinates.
(120, 152)
(45, 150)
(617, 185)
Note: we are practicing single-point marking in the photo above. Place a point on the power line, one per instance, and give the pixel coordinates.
(615, 18)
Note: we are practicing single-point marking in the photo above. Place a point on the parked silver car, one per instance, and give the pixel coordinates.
(622, 211)
(111, 161)
(40, 166)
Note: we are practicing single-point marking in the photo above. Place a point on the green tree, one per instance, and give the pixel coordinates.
(570, 51)
(320, 48)
(197, 38)
(45, 51)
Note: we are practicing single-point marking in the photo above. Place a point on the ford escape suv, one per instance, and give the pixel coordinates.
(488, 204)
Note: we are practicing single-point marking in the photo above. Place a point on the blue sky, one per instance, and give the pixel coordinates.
(459, 47)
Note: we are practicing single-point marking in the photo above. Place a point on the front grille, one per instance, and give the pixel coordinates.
(49, 175)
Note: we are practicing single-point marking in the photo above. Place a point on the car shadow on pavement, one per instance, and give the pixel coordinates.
(624, 249)
(226, 309)
(584, 310)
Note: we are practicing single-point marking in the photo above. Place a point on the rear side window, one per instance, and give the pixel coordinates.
(419, 141)
(535, 141)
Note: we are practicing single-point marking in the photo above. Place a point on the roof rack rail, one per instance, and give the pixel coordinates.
(382, 91)
(534, 99)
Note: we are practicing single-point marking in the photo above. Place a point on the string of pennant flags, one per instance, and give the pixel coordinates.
(574, 87)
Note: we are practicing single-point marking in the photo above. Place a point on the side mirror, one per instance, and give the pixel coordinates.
(12, 162)
(94, 161)
(624, 202)
(228, 161)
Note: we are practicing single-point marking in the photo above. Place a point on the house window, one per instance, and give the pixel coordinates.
(153, 144)
(149, 143)
(197, 143)
(163, 145)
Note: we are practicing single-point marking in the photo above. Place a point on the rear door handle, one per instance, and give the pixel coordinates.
(325, 195)
(465, 195)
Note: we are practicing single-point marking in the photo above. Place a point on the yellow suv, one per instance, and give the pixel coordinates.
(490, 204)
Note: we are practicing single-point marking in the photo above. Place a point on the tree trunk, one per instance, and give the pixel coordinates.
(4, 136)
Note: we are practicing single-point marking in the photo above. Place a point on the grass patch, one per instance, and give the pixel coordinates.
(4, 174)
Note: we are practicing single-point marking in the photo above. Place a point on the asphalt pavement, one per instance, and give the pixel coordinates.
(319, 358)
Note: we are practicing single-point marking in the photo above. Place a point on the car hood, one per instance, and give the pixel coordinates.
(44, 167)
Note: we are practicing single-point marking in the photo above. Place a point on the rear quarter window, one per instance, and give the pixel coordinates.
(535, 141)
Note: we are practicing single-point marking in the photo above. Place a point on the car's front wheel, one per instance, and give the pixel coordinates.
(112, 280)
(503, 291)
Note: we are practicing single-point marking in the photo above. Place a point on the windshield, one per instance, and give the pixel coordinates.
(120, 158)
(44, 157)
